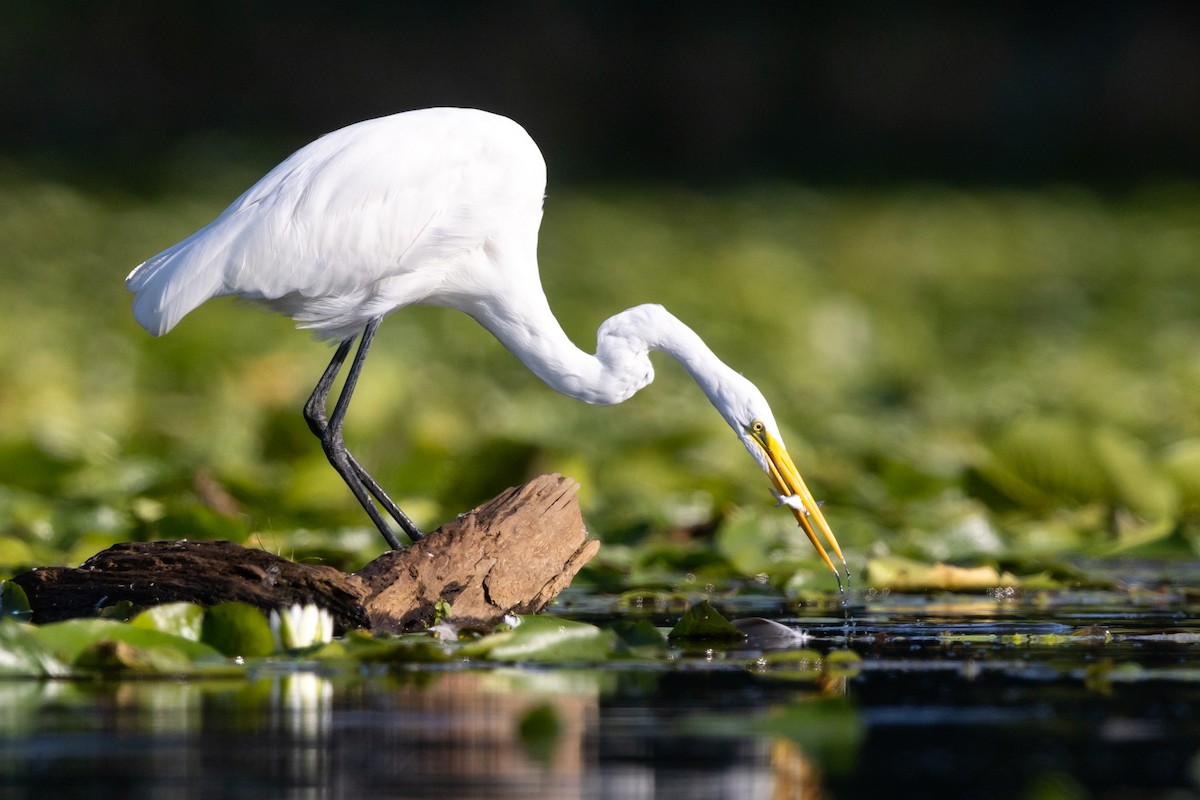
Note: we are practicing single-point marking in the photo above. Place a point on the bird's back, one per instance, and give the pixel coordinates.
(410, 208)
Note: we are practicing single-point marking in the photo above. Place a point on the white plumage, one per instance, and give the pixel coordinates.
(436, 207)
(375, 216)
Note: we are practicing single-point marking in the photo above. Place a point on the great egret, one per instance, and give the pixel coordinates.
(435, 207)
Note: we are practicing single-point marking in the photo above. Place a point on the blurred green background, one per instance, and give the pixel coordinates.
(975, 315)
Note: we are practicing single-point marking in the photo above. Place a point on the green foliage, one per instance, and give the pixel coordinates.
(407, 649)
(442, 611)
(108, 656)
(231, 641)
(830, 731)
(181, 619)
(23, 653)
(539, 638)
(906, 575)
(959, 374)
(13, 601)
(237, 630)
(639, 637)
(1048, 463)
(703, 623)
(539, 731)
(70, 640)
(800, 664)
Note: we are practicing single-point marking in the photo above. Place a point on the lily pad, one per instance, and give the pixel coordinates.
(638, 639)
(1137, 483)
(13, 601)
(1044, 462)
(640, 636)
(651, 601)
(237, 629)
(113, 656)
(902, 574)
(544, 639)
(702, 622)
(22, 652)
(1049, 462)
(70, 638)
(403, 649)
(180, 619)
(801, 664)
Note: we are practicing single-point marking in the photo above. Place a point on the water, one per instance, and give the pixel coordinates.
(1076, 695)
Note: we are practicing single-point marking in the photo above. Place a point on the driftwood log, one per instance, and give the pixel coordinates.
(512, 554)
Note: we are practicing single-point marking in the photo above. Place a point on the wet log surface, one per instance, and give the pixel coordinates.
(512, 554)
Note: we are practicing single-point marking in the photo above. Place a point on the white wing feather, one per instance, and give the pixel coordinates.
(364, 220)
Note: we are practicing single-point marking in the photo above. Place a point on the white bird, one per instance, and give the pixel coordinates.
(435, 207)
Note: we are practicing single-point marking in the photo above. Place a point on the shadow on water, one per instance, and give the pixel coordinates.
(1082, 695)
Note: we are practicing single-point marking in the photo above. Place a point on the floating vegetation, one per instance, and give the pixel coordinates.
(1005, 376)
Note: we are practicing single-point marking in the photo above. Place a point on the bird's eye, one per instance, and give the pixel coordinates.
(757, 426)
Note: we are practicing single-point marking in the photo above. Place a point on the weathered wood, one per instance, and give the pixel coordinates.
(207, 573)
(513, 554)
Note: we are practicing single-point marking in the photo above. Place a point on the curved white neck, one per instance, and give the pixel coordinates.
(621, 365)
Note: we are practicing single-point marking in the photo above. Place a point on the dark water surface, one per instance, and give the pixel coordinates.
(1064, 696)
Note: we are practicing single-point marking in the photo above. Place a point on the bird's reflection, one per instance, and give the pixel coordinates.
(298, 733)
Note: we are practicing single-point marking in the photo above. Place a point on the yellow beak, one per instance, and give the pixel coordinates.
(788, 482)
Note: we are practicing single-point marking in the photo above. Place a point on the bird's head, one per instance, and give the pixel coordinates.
(623, 344)
(747, 412)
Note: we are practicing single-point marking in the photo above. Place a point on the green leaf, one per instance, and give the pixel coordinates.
(23, 653)
(15, 553)
(651, 601)
(544, 639)
(539, 731)
(13, 601)
(68, 639)
(330, 651)
(741, 539)
(237, 630)
(843, 663)
(1138, 485)
(197, 522)
(180, 619)
(121, 611)
(1182, 464)
(801, 664)
(702, 622)
(906, 575)
(108, 655)
(442, 611)
(403, 649)
(1043, 462)
(638, 633)
(829, 731)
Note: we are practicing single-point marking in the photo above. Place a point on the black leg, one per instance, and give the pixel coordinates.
(329, 431)
(314, 408)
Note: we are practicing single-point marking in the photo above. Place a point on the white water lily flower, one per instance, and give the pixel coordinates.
(301, 626)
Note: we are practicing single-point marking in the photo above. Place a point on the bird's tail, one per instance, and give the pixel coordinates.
(169, 285)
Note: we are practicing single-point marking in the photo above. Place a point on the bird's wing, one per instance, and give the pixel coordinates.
(378, 200)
